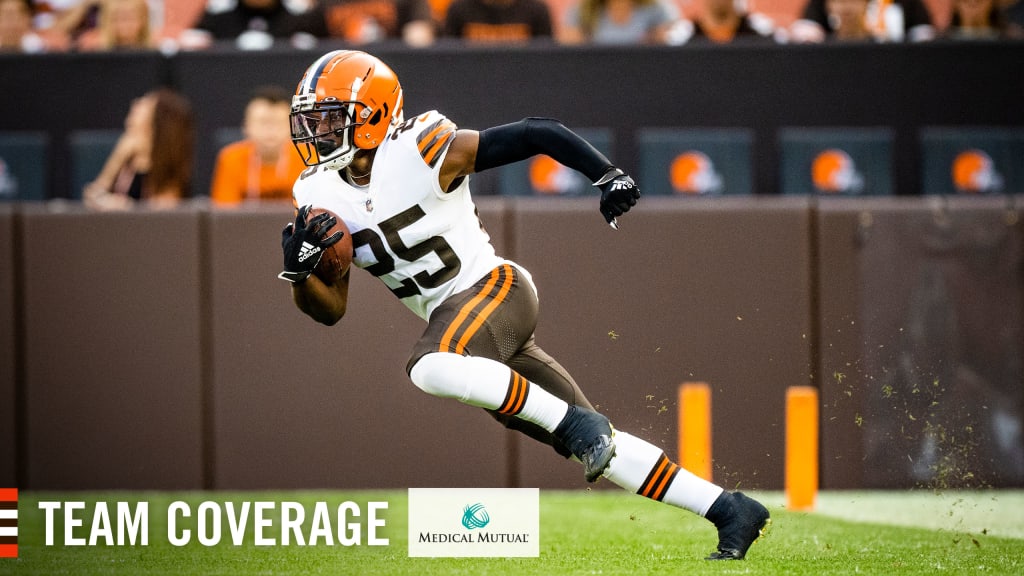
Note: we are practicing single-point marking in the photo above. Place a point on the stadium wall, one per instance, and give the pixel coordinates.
(156, 349)
(112, 348)
(921, 341)
(9, 349)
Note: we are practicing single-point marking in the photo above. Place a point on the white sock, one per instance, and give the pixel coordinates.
(643, 468)
(487, 384)
(542, 407)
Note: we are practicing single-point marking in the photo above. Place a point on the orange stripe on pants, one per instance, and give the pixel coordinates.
(482, 317)
(466, 310)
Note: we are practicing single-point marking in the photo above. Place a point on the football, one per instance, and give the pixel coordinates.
(337, 258)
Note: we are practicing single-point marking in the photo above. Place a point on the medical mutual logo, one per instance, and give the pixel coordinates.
(8, 522)
(475, 516)
(474, 522)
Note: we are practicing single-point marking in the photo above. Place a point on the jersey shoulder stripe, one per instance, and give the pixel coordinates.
(435, 139)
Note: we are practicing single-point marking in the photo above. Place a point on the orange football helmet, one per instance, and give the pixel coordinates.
(833, 171)
(973, 172)
(347, 100)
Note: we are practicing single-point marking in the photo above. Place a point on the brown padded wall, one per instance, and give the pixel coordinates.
(711, 290)
(131, 320)
(8, 342)
(301, 405)
(922, 301)
(841, 228)
(112, 349)
(940, 309)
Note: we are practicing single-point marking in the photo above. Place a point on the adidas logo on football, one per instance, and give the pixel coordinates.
(307, 251)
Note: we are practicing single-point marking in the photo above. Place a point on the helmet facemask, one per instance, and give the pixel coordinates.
(324, 133)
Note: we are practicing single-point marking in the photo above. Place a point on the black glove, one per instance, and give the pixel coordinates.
(304, 244)
(619, 193)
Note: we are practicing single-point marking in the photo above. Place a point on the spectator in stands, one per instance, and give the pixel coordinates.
(978, 20)
(256, 24)
(152, 160)
(265, 164)
(362, 21)
(848, 21)
(618, 22)
(45, 12)
(889, 21)
(16, 33)
(723, 21)
(498, 21)
(58, 22)
(123, 25)
(1013, 10)
(67, 24)
(74, 19)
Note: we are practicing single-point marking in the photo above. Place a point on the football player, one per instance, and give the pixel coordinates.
(402, 188)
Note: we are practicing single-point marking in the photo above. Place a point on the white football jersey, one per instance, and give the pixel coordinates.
(423, 243)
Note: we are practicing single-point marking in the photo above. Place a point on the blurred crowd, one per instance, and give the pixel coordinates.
(152, 159)
(261, 164)
(35, 26)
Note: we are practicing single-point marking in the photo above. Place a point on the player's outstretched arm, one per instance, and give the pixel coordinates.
(303, 243)
(520, 140)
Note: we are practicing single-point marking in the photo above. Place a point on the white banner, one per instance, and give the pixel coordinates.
(479, 522)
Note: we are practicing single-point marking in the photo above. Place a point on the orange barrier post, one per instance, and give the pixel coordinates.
(801, 447)
(695, 428)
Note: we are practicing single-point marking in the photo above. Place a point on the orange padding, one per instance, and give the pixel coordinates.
(695, 428)
(801, 447)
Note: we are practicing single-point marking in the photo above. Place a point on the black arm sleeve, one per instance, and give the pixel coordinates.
(517, 141)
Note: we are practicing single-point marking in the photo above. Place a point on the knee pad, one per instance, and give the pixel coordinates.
(475, 381)
(431, 373)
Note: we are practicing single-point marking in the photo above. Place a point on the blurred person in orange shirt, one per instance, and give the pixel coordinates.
(264, 165)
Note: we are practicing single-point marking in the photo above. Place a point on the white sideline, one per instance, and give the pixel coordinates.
(991, 512)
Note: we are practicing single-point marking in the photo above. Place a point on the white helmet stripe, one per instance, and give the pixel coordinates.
(357, 83)
(315, 70)
(397, 114)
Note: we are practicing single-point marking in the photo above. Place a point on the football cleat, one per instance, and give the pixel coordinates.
(588, 435)
(741, 521)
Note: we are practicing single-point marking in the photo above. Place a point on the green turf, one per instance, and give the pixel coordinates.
(598, 532)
